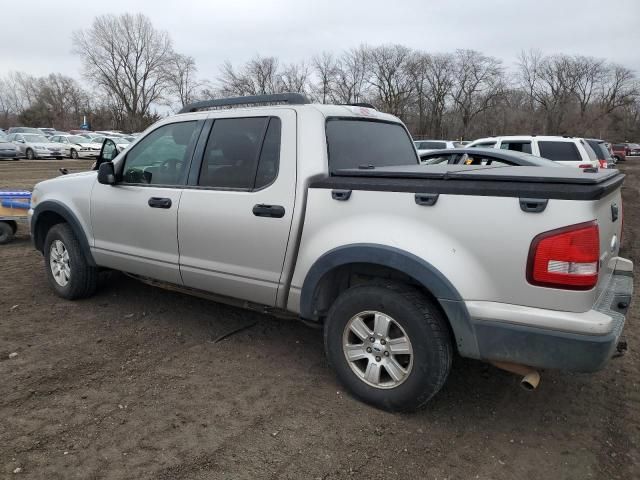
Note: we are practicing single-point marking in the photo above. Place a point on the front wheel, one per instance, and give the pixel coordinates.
(68, 271)
(30, 154)
(74, 154)
(389, 345)
(6, 232)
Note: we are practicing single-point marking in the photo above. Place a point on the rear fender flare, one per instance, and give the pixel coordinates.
(421, 271)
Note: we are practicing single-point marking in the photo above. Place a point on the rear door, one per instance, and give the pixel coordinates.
(235, 214)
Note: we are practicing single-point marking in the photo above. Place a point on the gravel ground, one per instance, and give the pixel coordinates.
(130, 384)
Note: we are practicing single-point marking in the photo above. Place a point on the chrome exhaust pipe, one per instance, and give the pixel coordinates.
(530, 377)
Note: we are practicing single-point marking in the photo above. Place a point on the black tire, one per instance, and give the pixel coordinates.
(423, 323)
(73, 154)
(59, 158)
(83, 278)
(6, 233)
(30, 155)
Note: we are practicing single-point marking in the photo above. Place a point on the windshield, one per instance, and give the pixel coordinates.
(353, 142)
(77, 139)
(430, 145)
(35, 138)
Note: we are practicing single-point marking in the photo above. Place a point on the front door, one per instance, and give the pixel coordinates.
(135, 221)
(235, 214)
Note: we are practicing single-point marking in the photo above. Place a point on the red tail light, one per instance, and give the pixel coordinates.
(603, 164)
(565, 258)
(585, 165)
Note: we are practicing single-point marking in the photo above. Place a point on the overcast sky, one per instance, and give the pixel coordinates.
(36, 35)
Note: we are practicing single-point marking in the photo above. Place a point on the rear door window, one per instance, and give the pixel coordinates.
(559, 151)
(516, 145)
(242, 153)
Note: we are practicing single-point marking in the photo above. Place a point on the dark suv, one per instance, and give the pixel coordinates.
(602, 152)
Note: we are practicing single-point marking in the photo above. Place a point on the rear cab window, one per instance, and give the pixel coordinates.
(559, 151)
(354, 142)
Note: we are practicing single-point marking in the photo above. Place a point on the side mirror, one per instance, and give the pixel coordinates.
(21, 141)
(108, 152)
(106, 174)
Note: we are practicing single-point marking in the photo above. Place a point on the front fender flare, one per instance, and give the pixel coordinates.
(421, 271)
(69, 217)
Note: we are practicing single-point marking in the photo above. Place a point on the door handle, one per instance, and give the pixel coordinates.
(271, 211)
(159, 202)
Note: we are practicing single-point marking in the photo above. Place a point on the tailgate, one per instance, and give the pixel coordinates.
(608, 213)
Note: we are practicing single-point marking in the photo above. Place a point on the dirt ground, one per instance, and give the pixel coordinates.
(130, 385)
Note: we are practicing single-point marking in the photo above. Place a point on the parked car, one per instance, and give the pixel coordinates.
(569, 151)
(634, 149)
(424, 146)
(602, 152)
(484, 156)
(621, 151)
(75, 146)
(47, 132)
(24, 130)
(34, 146)
(121, 142)
(321, 212)
(7, 149)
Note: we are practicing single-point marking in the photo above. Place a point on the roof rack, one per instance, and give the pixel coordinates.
(289, 98)
(360, 104)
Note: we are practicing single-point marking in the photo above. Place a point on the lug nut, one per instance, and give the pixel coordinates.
(372, 339)
(368, 349)
(386, 354)
(378, 359)
(383, 342)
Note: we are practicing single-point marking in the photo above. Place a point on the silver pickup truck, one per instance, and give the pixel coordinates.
(322, 212)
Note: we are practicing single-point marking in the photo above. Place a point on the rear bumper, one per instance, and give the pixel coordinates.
(582, 347)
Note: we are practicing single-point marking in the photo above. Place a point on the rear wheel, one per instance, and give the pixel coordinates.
(6, 233)
(389, 345)
(30, 154)
(68, 271)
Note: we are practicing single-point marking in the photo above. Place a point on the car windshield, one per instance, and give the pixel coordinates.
(430, 145)
(29, 137)
(355, 142)
(77, 139)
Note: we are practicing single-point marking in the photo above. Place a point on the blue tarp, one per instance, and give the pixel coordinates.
(16, 194)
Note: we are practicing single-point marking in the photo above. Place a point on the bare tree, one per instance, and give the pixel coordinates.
(324, 66)
(388, 74)
(350, 84)
(127, 58)
(477, 87)
(182, 79)
(295, 77)
(258, 76)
